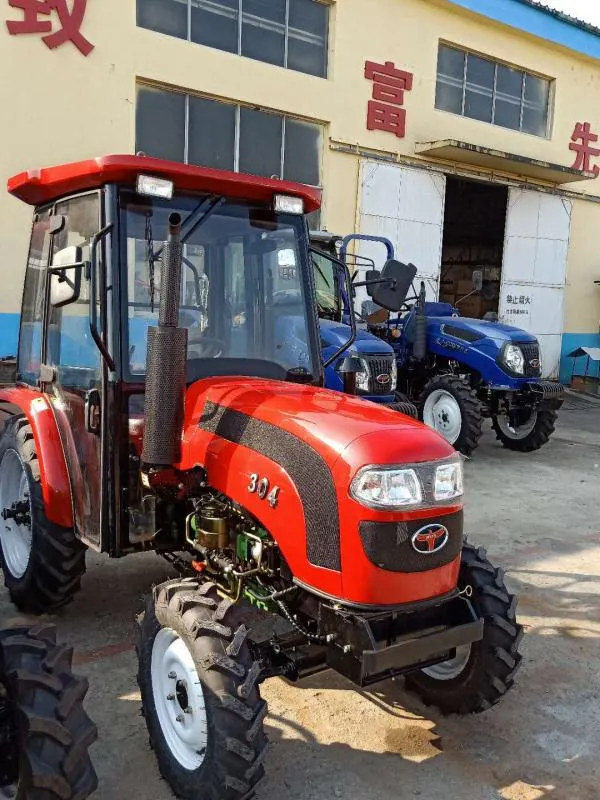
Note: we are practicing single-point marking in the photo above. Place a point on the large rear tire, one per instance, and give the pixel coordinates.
(534, 431)
(480, 674)
(199, 690)
(45, 733)
(42, 562)
(450, 406)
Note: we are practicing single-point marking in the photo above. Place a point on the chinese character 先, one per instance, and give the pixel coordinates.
(384, 110)
(37, 18)
(581, 143)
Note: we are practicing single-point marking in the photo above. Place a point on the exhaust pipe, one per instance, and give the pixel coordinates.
(166, 362)
(420, 328)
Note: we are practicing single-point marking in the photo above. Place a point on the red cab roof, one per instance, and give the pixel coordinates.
(39, 186)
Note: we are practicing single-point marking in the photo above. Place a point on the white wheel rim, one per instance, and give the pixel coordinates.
(15, 538)
(179, 699)
(442, 413)
(447, 670)
(520, 431)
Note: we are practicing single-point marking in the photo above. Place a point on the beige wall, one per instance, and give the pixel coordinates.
(582, 297)
(63, 107)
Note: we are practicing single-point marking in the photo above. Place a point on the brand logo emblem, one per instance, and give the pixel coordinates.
(383, 379)
(535, 363)
(430, 539)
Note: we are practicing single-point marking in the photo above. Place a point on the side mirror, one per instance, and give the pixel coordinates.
(477, 279)
(372, 275)
(397, 278)
(65, 276)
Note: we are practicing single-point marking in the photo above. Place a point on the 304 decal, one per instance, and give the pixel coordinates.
(261, 487)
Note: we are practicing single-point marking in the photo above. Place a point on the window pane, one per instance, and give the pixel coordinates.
(260, 142)
(211, 134)
(478, 105)
(160, 123)
(263, 30)
(534, 121)
(507, 114)
(536, 91)
(215, 24)
(302, 154)
(308, 37)
(163, 16)
(448, 98)
(451, 62)
(509, 82)
(480, 84)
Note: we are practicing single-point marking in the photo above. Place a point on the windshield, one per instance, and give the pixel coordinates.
(243, 289)
(326, 287)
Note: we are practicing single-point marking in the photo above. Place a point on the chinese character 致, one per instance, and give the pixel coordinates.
(37, 18)
(581, 143)
(385, 112)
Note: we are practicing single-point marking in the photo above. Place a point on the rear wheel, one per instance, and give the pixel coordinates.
(450, 406)
(478, 675)
(199, 690)
(42, 562)
(45, 733)
(531, 430)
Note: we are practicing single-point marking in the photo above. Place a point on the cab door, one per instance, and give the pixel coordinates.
(72, 373)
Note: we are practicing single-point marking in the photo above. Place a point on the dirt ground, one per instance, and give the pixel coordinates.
(538, 515)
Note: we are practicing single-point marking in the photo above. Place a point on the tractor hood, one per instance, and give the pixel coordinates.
(265, 415)
(477, 329)
(334, 334)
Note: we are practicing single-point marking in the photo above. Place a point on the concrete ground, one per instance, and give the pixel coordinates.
(538, 515)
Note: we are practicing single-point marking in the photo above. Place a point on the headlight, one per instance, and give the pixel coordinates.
(393, 376)
(424, 485)
(448, 481)
(513, 358)
(387, 488)
(362, 378)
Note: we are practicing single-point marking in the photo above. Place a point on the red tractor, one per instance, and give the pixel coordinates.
(168, 397)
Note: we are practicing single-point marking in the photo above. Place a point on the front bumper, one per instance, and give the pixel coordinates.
(548, 392)
(371, 647)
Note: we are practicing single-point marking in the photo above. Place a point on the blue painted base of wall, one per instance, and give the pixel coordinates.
(577, 366)
(9, 334)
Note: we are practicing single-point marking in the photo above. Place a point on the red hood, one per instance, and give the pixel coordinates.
(327, 421)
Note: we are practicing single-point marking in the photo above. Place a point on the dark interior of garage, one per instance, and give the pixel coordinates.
(474, 220)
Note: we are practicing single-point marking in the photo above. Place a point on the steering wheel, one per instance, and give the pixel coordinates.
(205, 346)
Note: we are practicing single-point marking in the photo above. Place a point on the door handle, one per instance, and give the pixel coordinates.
(92, 411)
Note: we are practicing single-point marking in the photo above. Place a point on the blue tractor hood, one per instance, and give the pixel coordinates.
(479, 328)
(334, 334)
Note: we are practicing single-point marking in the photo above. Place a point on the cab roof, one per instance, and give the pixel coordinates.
(46, 184)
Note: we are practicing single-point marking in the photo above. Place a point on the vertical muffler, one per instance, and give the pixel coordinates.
(166, 362)
(419, 351)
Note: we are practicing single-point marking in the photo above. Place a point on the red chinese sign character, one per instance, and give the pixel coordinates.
(581, 143)
(37, 19)
(385, 112)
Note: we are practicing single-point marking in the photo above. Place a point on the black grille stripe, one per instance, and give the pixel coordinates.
(388, 544)
(304, 465)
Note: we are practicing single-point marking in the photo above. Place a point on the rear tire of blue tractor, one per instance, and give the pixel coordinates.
(450, 406)
(528, 437)
(478, 675)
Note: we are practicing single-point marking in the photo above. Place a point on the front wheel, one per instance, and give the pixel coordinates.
(478, 675)
(450, 406)
(200, 697)
(528, 432)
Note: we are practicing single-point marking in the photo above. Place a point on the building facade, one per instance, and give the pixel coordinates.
(465, 131)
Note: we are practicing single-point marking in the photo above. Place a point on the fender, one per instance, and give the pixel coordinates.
(56, 487)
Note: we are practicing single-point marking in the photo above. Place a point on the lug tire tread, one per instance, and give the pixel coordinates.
(216, 638)
(544, 428)
(38, 680)
(57, 561)
(495, 660)
(470, 408)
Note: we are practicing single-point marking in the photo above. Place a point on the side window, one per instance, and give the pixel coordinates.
(30, 337)
(70, 347)
(326, 287)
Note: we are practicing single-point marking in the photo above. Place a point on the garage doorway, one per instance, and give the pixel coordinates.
(473, 239)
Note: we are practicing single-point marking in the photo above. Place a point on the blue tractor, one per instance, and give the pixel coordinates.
(458, 371)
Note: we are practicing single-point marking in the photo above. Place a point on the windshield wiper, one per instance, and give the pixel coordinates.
(194, 219)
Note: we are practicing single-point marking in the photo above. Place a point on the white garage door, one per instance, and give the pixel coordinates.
(406, 206)
(534, 269)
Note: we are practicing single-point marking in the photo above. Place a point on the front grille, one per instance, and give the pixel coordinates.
(380, 366)
(388, 545)
(531, 352)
